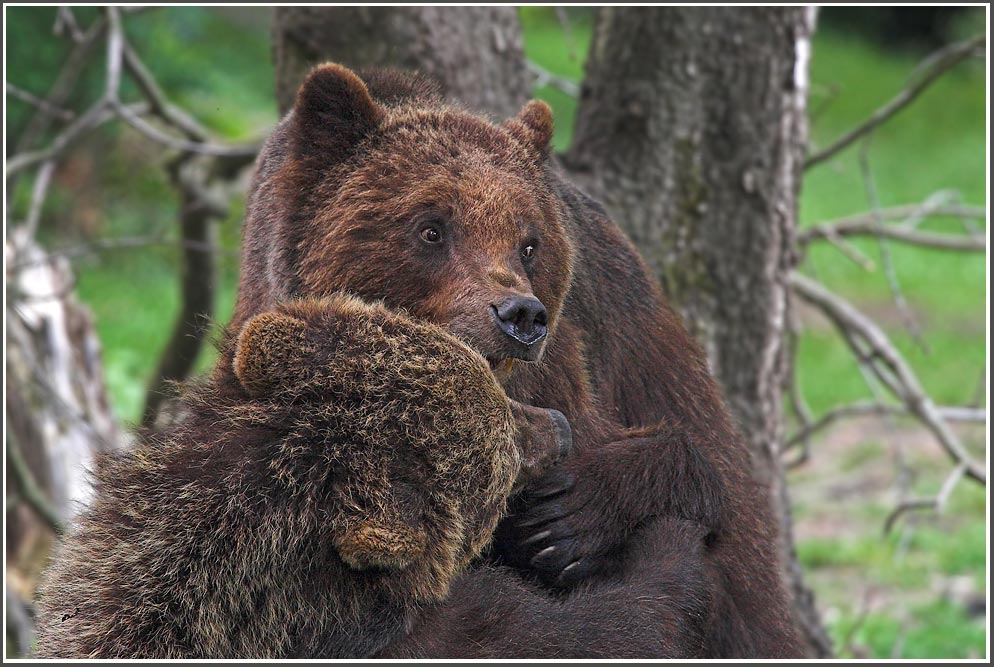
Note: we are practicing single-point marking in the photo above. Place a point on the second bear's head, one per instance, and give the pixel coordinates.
(393, 434)
(399, 197)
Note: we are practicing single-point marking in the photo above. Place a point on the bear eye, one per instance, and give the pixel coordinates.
(528, 251)
(431, 234)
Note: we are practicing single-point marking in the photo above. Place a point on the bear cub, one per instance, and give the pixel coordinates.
(338, 478)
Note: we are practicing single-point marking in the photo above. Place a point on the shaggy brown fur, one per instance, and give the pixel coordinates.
(356, 462)
(343, 189)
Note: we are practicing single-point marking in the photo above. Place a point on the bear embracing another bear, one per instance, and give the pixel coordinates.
(353, 463)
(650, 540)
(653, 539)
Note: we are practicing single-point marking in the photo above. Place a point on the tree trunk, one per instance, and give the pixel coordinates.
(691, 129)
(475, 52)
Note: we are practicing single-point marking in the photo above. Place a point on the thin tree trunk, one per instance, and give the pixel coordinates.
(475, 52)
(200, 209)
(691, 129)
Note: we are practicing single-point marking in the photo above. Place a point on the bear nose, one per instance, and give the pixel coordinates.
(523, 318)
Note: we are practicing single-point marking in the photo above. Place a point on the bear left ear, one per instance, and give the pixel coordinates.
(333, 112)
(265, 353)
(533, 126)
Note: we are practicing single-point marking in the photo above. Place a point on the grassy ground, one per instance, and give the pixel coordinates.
(907, 594)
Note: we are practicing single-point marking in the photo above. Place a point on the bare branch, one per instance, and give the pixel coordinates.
(115, 49)
(937, 503)
(30, 491)
(64, 84)
(834, 233)
(544, 77)
(160, 106)
(42, 180)
(65, 21)
(199, 147)
(878, 409)
(878, 354)
(910, 322)
(95, 116)
(43, 106)
(120, 243)
(909, 217)
(931, 70)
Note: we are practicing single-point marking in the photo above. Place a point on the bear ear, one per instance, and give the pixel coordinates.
(333, 112)
(533, 126)
(380, 543)
(266, 350)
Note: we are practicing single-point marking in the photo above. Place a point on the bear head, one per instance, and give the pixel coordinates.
(389, 193)
(395, 429)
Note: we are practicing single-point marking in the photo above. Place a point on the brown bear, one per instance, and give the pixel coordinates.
(355, 462)
(376, 185)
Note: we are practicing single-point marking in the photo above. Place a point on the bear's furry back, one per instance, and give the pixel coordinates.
(215, 540)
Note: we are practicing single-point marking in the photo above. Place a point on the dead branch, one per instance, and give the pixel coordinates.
(43, 106)
(544, 77)
(955, 242)
(908, 217)
(29, 489)
(937, 503)
(878, 409)
(42, 180)
(910, 321)
(198, 211)
(878, 356)
(926, 74)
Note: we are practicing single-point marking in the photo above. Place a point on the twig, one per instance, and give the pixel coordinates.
(95, 116)
(909, 214)
(159, 105)
(795, 395)
(834, 234)
(887, 364)
(934, 67)
(99, 245)
(910, 322)
(937, 503)
(199, 147)
(41, 105)
(544, 77)
(878, 409)
(40, 188)
(65, 21)
(64, 84)
(30, 490)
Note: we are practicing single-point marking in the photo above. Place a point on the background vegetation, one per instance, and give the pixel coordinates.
(916, 592)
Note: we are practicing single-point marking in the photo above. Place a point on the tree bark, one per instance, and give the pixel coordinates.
(476, 53)
(691, 128)
(58, 417)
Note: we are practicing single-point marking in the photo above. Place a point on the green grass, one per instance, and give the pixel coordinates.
(224, 77)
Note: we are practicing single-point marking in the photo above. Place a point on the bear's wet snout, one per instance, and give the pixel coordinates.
(522, 318)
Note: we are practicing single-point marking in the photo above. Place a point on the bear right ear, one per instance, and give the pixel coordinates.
(266, 351)
(333, 112)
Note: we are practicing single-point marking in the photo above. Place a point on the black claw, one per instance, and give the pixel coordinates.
(537, 538)
(565, 578)
(538, 559)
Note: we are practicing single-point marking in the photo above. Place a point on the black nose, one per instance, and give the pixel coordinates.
(523, 318)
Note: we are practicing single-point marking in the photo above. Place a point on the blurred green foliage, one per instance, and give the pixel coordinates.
(215, 62)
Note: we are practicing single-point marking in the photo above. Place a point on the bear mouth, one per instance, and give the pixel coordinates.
(500, 365)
